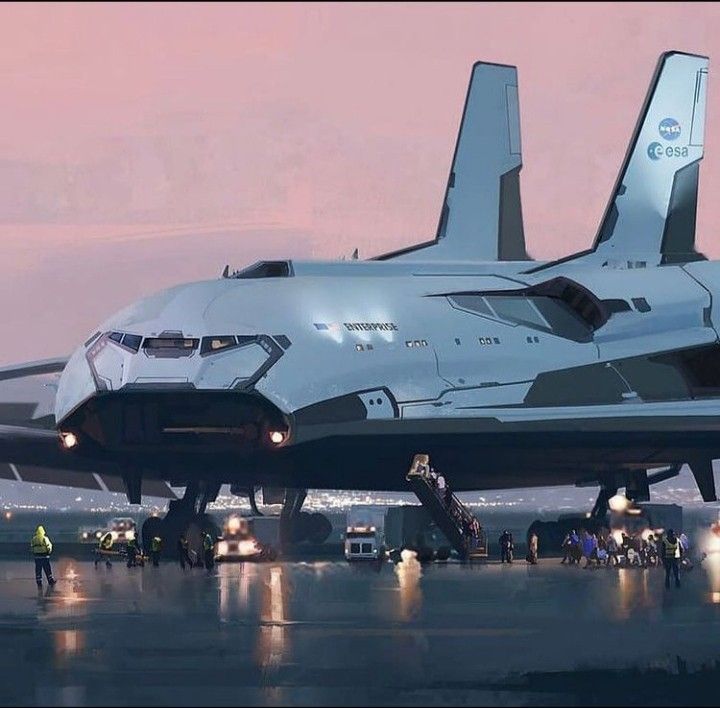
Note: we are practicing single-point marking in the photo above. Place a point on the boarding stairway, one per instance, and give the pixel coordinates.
(451, 516)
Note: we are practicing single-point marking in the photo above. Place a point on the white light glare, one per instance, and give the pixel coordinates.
(276, 437)
(619, 503)
(68, 440)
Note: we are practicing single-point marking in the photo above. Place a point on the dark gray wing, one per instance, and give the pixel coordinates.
(35, 456)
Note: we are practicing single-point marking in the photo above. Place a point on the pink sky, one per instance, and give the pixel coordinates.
(144, 145)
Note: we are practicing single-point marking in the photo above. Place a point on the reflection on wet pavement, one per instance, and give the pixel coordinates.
(330, 632)
(68, 641)
(409, 572)
(272, 637)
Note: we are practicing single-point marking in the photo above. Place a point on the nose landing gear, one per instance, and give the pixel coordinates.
(182, 514)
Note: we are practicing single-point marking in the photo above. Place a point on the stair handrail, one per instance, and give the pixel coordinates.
(459, 514)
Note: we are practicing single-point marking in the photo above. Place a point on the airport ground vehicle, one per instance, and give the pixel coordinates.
(365, 533)
(122, 528)
(245, 539)
(89, 534)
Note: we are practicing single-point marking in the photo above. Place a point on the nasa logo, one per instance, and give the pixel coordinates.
(655, 151)
(669, 129)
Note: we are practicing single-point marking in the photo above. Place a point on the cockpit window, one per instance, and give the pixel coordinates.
(123, 339)
(266, 269)
(132, 341)
(211, 345)
(170, 347)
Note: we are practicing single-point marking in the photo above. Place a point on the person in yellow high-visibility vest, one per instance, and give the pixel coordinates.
(104, 548)
(41, 547)
(671, 557)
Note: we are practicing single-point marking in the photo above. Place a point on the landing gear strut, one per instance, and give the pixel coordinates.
(601, 508)
(552, 533)
(290, 517)
(181, 514)
(297, 525)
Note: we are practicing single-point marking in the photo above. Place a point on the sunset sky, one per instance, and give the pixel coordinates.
(145, 145)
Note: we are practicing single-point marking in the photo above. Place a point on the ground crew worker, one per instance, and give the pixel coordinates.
(155, 548)
(132, 552)
(208, 551)
(41, 547)
(183, 549)
(105, 545)
(671, 558)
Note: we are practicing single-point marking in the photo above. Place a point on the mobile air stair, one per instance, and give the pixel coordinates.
(451, 516)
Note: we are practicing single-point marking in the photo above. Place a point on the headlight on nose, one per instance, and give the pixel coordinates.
(68, 440)
(277, 437)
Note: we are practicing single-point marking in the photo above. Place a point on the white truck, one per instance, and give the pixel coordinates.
(365, 533)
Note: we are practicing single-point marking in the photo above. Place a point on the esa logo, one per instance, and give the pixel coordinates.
(656, 151)
(669, 129)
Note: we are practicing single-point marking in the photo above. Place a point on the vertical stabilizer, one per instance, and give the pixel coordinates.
(481, 216)
(650, 219)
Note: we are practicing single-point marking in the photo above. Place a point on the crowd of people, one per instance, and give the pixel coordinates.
(630, 550)
(133, 553)
(130, 552)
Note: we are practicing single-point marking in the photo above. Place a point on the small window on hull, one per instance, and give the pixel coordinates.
(641, 304)
(266, 269)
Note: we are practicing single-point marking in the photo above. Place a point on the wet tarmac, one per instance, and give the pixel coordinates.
(329, 633)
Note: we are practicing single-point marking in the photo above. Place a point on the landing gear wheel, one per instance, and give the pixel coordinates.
(300, 529)
(269, 554)
(551, 534)
(443, 553)
(319, 528)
